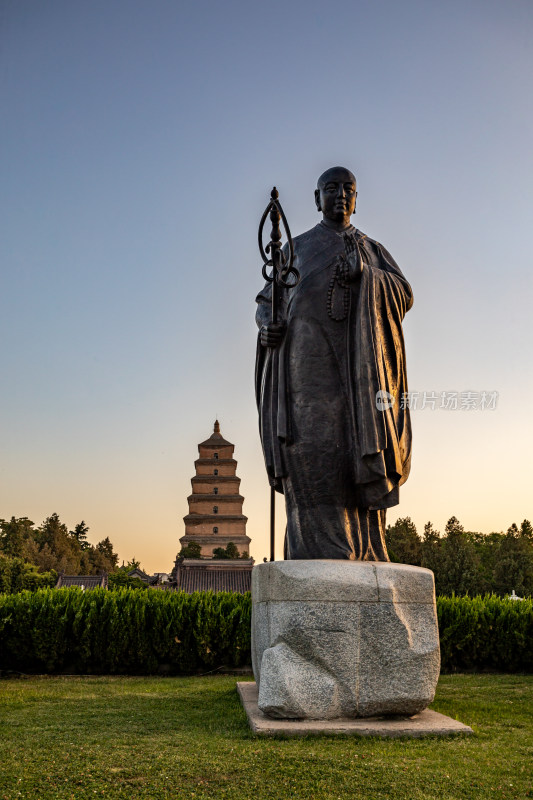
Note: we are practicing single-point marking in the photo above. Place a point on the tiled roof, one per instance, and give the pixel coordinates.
(221, 579)
(221, 462)
(216, 439)
(224, 498)
(215, 478)
(140, 573)
(85, 581)
(197, 519)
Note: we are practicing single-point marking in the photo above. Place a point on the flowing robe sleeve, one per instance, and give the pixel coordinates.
(384, 433)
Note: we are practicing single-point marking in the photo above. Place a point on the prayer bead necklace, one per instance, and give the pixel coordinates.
(339, 277)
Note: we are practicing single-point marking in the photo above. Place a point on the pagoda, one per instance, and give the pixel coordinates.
(215, 515)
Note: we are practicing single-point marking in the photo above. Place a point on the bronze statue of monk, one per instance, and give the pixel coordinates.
(330, 378)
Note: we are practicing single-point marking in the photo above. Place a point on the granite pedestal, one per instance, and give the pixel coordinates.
(343, 639)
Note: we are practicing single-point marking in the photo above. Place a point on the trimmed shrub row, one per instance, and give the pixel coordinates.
(124, 631)
(141, 632)
(485, 633)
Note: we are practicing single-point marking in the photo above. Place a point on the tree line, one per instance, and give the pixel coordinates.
(465, 562)
(51, 548)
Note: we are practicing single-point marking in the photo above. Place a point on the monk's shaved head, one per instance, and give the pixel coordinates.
(335, 197)
(335, 174)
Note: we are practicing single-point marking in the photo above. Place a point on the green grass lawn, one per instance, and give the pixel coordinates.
(151, 737)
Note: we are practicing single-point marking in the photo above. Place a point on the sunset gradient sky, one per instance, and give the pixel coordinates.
(140, 143)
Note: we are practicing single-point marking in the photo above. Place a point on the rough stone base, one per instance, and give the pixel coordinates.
(337, 639)
(427, 723)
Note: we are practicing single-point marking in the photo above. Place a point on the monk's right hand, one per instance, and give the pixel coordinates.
(271, 335)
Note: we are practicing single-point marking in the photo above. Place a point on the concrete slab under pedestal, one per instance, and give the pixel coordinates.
(427, 723)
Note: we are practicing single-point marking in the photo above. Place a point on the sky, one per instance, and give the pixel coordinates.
(140, 144)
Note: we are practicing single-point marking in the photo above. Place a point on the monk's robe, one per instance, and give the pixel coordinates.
(333, 446)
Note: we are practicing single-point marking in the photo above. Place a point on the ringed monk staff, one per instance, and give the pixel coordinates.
(330, 376)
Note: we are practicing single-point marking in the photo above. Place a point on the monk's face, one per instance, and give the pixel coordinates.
(335, 195)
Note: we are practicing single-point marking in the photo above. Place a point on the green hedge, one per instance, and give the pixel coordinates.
(139, 632)
(485, 633)
(124, 631)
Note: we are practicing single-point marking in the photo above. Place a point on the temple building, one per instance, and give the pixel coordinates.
(215, 548)
(215, 515)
